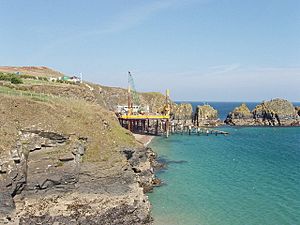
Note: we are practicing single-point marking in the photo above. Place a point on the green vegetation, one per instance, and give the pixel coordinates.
(25, 76)
(32, 95)
(10, 76)
(28, 79)
(16, 80)
(66, 116)
(6, 77)
(13, 78)
(43, 78)
(65, 82)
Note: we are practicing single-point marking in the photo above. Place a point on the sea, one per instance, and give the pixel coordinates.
(250, 177)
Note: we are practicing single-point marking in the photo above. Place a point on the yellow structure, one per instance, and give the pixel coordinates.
(128, 117)
(141, 122)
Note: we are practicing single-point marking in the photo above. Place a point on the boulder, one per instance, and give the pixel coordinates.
(277, 112)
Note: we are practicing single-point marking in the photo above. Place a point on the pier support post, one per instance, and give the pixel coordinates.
(167, 128)
(148, 126)
(129, 125)
(156, 128)
(143, 126)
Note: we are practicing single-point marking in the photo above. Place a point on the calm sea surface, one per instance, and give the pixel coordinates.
(250, 177)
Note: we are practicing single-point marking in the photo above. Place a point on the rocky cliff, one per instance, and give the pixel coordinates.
(206, 115)
(277, 112)
(66, 161)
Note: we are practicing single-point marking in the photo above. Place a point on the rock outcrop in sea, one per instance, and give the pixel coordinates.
(183, 111)
(239, 116)
(206, 115)
(276, 112)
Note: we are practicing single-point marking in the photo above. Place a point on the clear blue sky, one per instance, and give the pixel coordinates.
(205, 50)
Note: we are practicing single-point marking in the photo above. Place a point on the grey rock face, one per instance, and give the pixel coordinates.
(14, 171)
(182, 111)
(206, 115)
(123, 214)
(277, 112)
(143, 162)
(42, 188)
(7, 204)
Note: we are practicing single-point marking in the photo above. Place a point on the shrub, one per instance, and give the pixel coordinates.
(6, 77)
(45, 78)
(16, 80)
(26, 76)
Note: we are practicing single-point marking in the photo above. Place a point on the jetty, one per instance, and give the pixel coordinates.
(193, 130)
(137, 118)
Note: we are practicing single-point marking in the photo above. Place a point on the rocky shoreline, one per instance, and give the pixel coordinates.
(71, 163)
(68, 161)
(36, 192)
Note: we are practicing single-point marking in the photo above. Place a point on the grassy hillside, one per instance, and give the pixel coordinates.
(31, 70)
(83, 109)
(69, 117)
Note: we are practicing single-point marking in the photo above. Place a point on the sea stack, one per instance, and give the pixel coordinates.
(240, 116)
(183, 111)
(206, 115)
(276, 112)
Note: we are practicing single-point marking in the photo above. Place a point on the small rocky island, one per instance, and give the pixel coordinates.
(206, 115)
(276, 112)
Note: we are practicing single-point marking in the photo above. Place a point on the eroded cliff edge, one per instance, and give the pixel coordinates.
(69, 161)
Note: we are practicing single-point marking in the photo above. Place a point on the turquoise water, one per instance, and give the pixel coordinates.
(251, 176)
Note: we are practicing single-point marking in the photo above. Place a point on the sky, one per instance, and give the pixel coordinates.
(202, 50)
